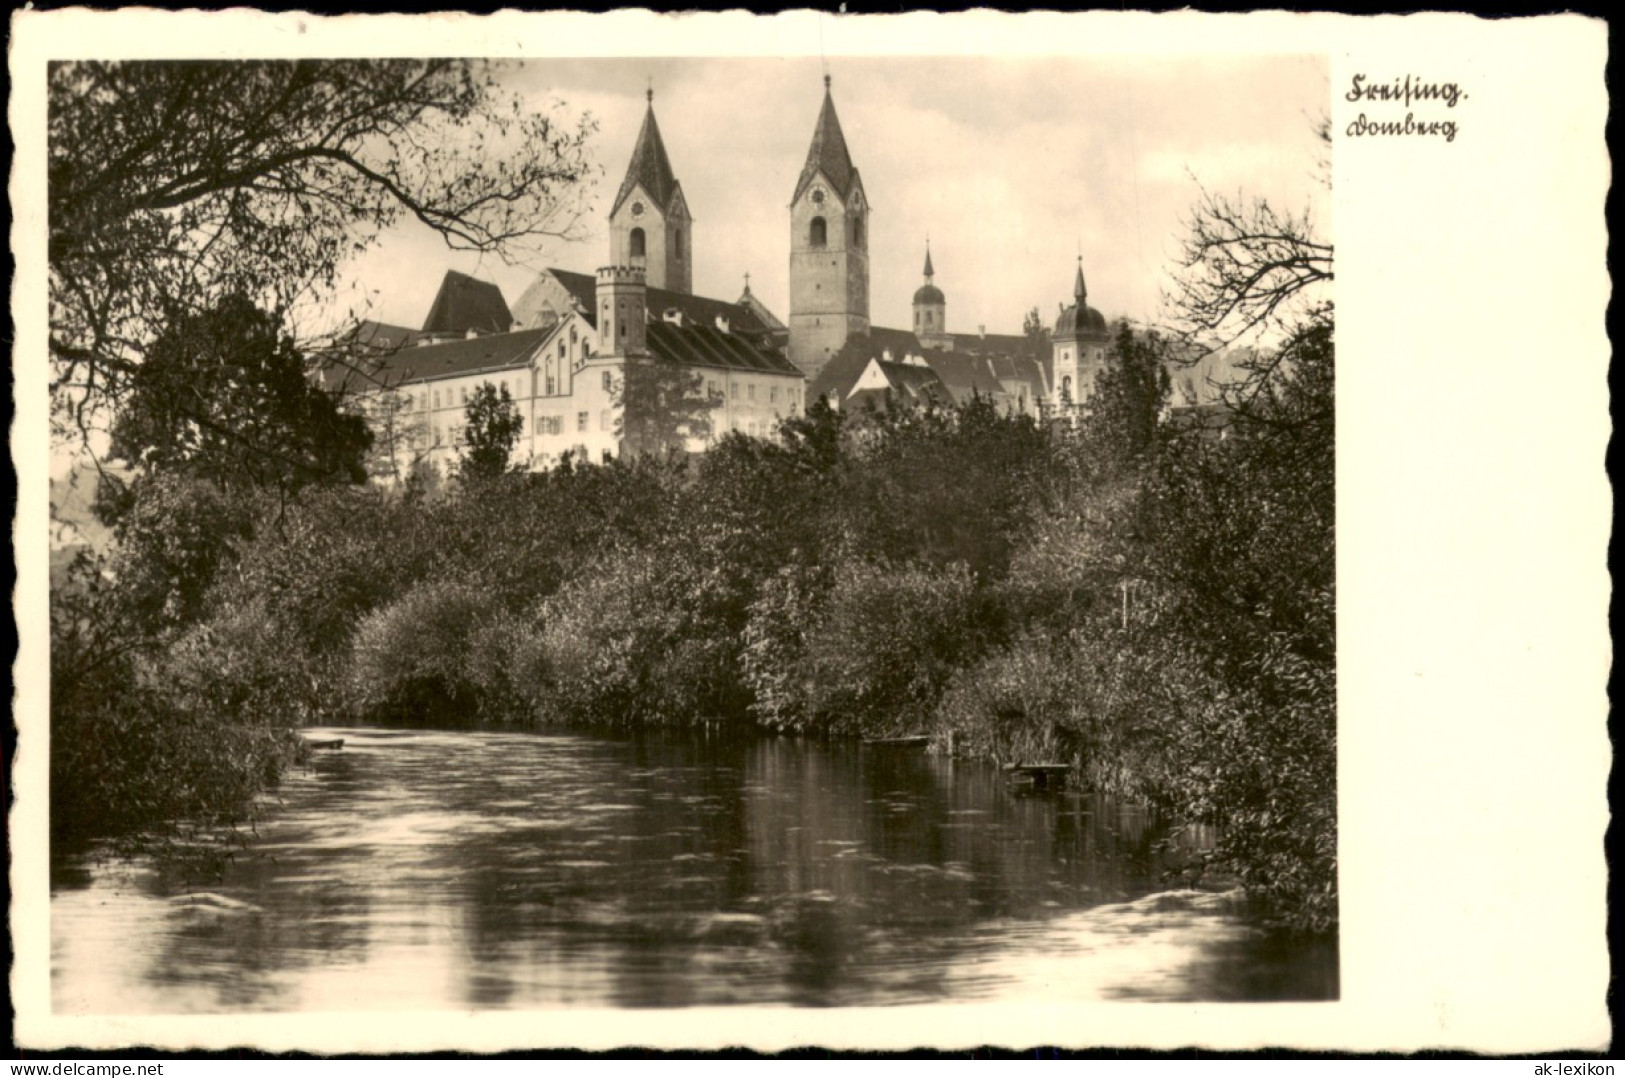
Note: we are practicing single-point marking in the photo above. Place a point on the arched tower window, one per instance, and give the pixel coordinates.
(677, 242)
(928, 320)
(857, 231)
(818, 232)
(637, 243)
(1066, 388)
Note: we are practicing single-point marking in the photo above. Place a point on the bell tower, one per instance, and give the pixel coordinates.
(931, 310)
(829, 248)
(649, 224)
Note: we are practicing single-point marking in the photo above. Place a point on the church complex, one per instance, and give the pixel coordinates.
(562, 350)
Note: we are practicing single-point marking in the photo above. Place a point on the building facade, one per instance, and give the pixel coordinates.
(563, 350)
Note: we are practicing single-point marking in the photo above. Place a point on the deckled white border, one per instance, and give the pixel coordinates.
(1472, 505)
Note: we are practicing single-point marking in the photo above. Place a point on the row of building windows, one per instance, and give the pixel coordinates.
(713, 389)
(449, 398)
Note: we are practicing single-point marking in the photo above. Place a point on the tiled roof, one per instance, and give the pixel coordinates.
(382, 337)
(965, 377)
(900, 341)
(827, 154)
(649, 167)
(838, 375)
(583, 288)
(1020, 369)
(497, 351)
(992, 344)
(915, 382)
(707, 346)
(756, 307)
(465, 303)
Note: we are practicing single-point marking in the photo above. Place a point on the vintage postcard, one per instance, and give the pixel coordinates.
(869, 532)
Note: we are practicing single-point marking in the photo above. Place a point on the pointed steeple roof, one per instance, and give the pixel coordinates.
(1079, 292)
(650, 166)
(928, 292)
(828, 153)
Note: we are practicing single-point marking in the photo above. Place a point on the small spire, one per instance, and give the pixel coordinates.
(826, 82)
(929, 272)
(1078, 289)
(649, 94)
(747, 282)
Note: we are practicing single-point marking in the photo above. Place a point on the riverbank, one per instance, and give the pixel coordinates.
(1157, 613)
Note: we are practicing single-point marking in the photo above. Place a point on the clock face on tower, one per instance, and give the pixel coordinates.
(818, 196)
(637, 209)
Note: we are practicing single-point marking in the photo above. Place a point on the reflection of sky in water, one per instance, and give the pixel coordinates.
(492, 870)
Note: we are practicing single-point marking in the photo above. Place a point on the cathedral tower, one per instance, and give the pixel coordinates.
(829, 248)
(1080, 342)
(649, 225)
(931, 311)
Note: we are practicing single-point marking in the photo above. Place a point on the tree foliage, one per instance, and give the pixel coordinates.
(491, 428)
(173, 184)
(1124, 413)
(223, 397)
(663, 407)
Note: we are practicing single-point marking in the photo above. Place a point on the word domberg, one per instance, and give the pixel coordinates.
(1405, 90)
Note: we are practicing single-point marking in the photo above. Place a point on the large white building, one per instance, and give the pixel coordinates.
(563, 350)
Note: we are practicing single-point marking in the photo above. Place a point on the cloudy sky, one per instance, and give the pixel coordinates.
(1012, 166)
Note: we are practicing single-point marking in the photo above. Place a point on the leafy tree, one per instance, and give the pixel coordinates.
(1123, 414)
(172, 184)
(663, 406)
(223, 397)
(491, 429)
(401, 437)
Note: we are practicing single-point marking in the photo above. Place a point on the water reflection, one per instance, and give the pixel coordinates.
(499, 870)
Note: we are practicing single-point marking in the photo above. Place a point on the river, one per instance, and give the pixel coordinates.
(433, 870)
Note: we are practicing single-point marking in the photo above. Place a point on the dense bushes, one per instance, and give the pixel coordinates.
(1153, 607)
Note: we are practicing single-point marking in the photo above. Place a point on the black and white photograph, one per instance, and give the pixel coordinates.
(712, 525)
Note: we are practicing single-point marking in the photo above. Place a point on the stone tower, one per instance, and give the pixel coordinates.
(649, 225)
(1080, 342)
(931, 311)
(829, 248)
(622, 299)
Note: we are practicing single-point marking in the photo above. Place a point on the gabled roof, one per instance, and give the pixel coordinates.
(493, 352)
(583, 288)
(828, 153)
(465, 303)
(913, 382)
(707, 346)
(649, 166)
(836, 378)
(769, 320)
(965, 377)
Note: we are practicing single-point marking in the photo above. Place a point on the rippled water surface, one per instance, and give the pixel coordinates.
(457, 870)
